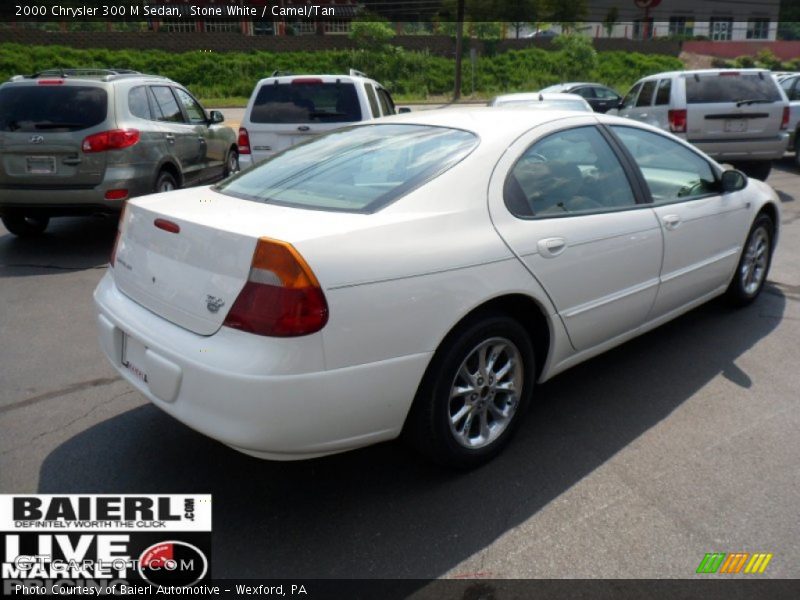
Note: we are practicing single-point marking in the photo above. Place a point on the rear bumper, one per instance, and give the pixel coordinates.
(771, 148)
(66, 200)
(267, 397)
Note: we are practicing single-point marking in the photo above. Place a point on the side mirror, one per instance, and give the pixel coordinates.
(216, 117)
(403, 110)
(733, 181)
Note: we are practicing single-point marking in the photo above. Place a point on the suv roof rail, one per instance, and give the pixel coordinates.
(280, 73)
(85, 71)
(354, 73)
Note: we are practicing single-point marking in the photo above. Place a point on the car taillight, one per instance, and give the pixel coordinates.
(112, 261)
(51, 82)
(114, 139)
(677, 120)
(244, 141)
(785, 120)
(282, 297)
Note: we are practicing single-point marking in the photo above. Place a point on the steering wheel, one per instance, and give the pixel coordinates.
(692, 189)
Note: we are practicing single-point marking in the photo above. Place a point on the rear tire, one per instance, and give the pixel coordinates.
(231, 163)
(25, 226)
(165, 182)
(474, 393)
(751, 272)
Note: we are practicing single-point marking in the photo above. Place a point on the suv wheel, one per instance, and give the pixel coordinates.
(165, 182)
(23, 226)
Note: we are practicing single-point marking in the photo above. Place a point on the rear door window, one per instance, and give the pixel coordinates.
(167, 105)
(729, 86)
(630, 97)
(387, 106)
(53, 108)
(306, 102)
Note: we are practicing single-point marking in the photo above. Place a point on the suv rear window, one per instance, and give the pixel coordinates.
(731, 87)
(54, 108)
(306, 103)
(358, 169)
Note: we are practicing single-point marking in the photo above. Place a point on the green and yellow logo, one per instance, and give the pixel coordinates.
(734, 562)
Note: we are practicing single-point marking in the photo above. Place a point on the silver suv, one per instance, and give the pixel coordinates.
(738, 116)
(285, 110)
(82, 141)
(790, 83)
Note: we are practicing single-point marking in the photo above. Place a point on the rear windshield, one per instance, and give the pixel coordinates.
(731, 87)
(51, 107)
(300, 102)
(357, 169)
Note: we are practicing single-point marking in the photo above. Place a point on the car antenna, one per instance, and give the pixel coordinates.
(541, 97)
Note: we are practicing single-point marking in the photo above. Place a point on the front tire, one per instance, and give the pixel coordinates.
(751, 272)
(474, 393)
(25, 226)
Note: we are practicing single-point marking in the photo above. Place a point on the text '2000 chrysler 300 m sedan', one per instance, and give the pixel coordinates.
(418, 275)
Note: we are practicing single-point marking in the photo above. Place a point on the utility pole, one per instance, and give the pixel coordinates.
(459, 48)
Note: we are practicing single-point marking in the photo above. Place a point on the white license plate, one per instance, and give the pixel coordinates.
(40, 165)
(736, 126)
(133, 357)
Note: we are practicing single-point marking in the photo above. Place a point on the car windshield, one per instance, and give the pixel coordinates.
(46, 107)
(358, 169)
(306, 101)
(731, 86)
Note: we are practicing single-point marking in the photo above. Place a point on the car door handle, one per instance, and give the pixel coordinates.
(170, 138)
(72, 161)
(303, 128)
(552, 247)
(671, 222)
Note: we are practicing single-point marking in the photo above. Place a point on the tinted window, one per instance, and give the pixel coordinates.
(605, 93)
(672, 171)
(168, 107)
(192, 108)
(55, 108)
(358, 169)
(630, 97)
(662, 95)
(731, 87)
(573, 171)
(584, 92)
(646, 95)
(306, 103)
(373, 101)
(387, 106)
(138, 103)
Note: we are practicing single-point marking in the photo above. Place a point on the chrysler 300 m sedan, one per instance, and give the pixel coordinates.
(417, 276)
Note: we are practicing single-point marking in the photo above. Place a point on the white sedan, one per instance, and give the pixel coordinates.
(542, 101)
(419, 275)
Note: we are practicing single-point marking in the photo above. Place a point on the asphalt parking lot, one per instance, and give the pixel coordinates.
(633, 465)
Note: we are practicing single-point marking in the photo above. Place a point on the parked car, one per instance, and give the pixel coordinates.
(790, 84)
(418, 275)
(739, 116)
(82, 141)
(600, 97)
(542, 101)
(285, 110)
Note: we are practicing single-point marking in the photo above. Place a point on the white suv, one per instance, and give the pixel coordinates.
(738, 116)
(289, 109)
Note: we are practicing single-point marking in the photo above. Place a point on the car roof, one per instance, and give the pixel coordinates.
(701, 72)
(325, 79)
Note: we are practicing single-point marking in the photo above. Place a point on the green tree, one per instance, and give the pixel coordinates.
(371, 35)
(579, 56)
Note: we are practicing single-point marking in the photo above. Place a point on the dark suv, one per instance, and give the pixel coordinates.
(82, 141)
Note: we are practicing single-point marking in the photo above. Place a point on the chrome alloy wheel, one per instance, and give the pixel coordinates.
(756, 258)
(485, 393)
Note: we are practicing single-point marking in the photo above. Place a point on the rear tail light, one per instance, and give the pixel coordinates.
(785, 120)
(282, 297)
(114, 139)
(244, 141)
(307, 81)
(51, 81)
(119, 194)
(112, 261)
(677, 120)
